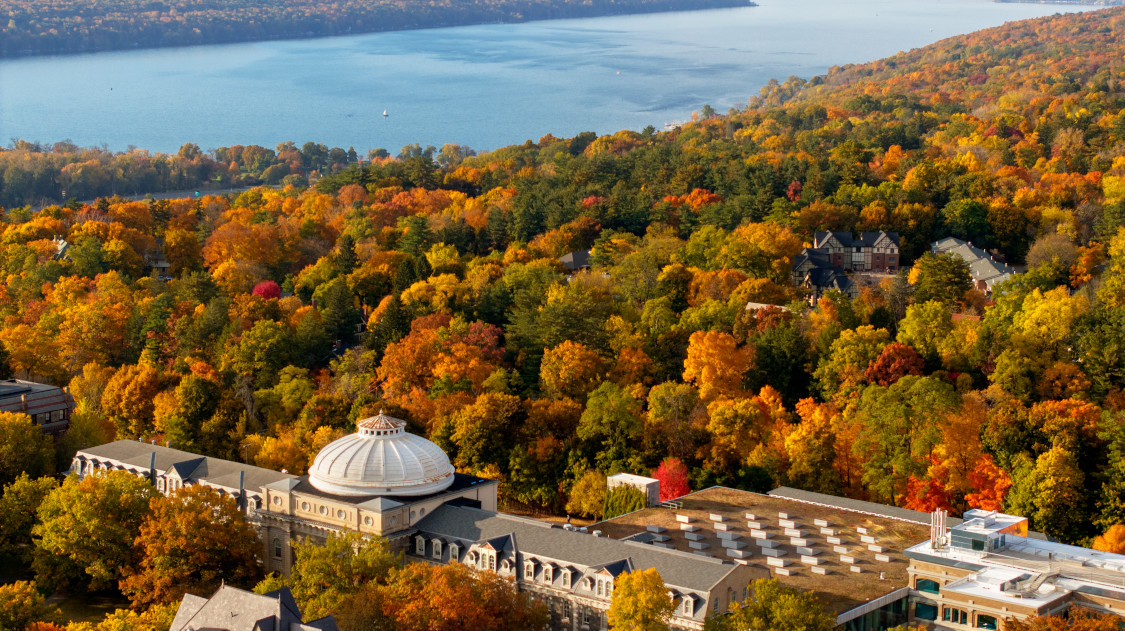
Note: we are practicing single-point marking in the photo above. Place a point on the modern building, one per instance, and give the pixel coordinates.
(987, 569)
(48, 406)
(233, 609)
(573, 572)
(986, 271)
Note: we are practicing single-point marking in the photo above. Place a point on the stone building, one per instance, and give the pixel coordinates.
(233, 609)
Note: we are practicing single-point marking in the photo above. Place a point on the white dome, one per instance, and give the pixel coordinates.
(381, 459)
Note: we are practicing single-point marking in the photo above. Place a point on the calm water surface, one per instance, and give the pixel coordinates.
(482, 86)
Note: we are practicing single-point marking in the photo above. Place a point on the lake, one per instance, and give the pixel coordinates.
(483, 86)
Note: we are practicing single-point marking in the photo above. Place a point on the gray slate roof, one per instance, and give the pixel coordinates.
(214, 470)
(865, 239)
(233, 609)
(678, 569)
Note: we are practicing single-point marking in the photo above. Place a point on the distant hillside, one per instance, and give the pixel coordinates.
(80, 26)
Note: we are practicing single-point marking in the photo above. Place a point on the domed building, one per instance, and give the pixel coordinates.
(380, 480)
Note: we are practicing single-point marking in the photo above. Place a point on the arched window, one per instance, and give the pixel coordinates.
(926, 585)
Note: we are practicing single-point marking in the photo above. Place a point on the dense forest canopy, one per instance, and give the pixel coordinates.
(428, 285)
(77, 26)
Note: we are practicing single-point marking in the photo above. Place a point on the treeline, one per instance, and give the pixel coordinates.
(32, 174)
(71, 26)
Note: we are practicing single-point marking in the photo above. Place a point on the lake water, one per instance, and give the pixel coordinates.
(483, 86)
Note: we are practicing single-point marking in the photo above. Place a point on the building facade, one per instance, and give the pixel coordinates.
(48, 406)
(573, 572)
(987, 570)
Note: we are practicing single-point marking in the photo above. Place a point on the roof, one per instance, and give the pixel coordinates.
(233, 609)
(841, 589)
(461, 481)
(575, 260)
(214, 471)
(677, 568)
(846, 239)
(858, 506)
(29, 397)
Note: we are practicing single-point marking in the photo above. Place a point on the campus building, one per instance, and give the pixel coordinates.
(987, 569)
(835, 256)
(48, 406)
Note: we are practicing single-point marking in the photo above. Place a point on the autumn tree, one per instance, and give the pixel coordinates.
(587, 496)
(1076, 619)
(456, 598)
(128, 398)
(24, 448)
(716, 364)
(774, 606)
(640, 602)
(895, 361)
(570, 370)
(1113, 540)
(673, 476)
(18, 506)
(610, 427)
(942, 277)
(325, 575)
(21, 604)
(87, 527)
(191, 540)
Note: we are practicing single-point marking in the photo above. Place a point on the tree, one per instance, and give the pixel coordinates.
(673, 476)
(848, 358)
(716, 364)
(324, 575)
(587, 496)
(895, 361)
(87, 527)
(640, 602)
(24, 448)
(1049, 491)
(943, 277)
(570, 370)
(456, 598)
(128, 399)
(611, 426)
(18, 505)
(773, 606)
(192, 539)
(21, 605)
(1076, 619)
(1112, 541)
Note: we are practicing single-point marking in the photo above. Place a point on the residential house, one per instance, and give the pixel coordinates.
(48, 406)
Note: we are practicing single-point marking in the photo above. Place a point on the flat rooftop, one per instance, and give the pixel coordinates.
(839, 588)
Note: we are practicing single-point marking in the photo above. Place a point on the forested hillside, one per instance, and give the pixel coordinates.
(428, 285)
(76, 26)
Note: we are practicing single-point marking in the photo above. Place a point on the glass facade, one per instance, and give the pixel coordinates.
(890, 615)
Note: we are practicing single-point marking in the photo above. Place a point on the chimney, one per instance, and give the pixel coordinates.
(242, 490)
(152, 468)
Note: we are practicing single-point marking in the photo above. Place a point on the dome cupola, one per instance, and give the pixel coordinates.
(381, 458)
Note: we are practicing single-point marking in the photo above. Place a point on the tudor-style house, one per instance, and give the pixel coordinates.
(573, 572)
(870, 252)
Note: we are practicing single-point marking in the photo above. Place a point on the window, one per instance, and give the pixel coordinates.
(986, 622)
(925, 611)
(978, 544)
(566, 578)
(277, 548)
(548, 574)
(601, 584)
(715, 605)
(529, 570)
(437, 549)
(956, 616)
(420, 545)
(926, 585)
(689, 606)
(341, 514)
(564, 609)
(492, 561)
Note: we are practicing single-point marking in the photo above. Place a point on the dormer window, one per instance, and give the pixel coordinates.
(454, 552)
(566, 579)
(549, 574)
(529, 570)
(420, 546)
(437, 549)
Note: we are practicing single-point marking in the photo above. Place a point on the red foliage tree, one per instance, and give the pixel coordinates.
(896, 361)
(267, 290)
(673, 476)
